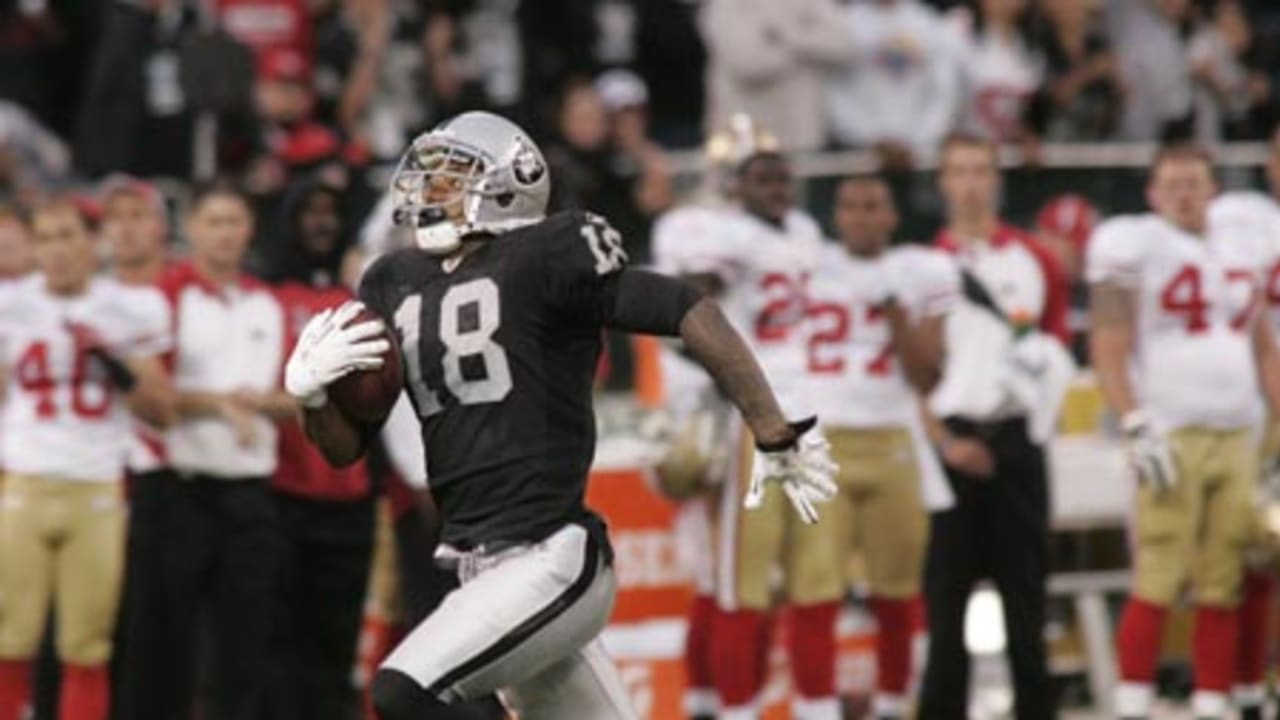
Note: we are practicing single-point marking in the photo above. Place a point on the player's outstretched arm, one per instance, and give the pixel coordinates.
(714, 343)
(646, 302)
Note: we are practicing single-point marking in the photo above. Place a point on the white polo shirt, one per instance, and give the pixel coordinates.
(1027, 283)
(226, 338)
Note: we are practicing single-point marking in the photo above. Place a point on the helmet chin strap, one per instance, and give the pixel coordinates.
(438, 238)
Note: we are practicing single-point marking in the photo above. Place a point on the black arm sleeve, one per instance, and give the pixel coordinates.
(644, 302)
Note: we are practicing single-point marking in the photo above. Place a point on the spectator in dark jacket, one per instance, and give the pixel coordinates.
(135, 116)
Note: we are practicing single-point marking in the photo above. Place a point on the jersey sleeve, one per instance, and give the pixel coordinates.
(151, 326)
(696, 241)
(580, 266)
(930, 284)
(1115, 253)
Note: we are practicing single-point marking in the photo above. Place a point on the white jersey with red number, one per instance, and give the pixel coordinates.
(1260, 212)
(1195, 302)
(62, 418)
(855, 379)
(765, 270)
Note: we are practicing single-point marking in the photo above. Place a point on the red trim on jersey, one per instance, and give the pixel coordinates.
(1053, 318)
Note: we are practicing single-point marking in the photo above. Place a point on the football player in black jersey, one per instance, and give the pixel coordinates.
(499, 311)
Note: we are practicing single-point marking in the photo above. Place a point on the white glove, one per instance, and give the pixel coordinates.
(805, 471)
(1148, 452)
(327, 351)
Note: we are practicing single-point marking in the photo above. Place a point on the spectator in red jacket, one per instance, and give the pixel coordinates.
(326, 514)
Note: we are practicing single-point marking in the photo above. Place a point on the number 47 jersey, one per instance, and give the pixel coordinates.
(500, 350)
(1196, 299)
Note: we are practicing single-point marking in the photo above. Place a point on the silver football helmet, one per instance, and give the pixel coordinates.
(477, 172)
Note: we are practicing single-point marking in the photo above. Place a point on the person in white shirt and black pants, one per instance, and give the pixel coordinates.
(222, 547)
(990, 418)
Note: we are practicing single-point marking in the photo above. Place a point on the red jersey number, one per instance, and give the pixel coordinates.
(783, 307)
(836, 328)
(89, 399)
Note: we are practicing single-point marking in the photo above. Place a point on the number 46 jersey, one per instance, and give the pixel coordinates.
(500, 351)
(1196, 299)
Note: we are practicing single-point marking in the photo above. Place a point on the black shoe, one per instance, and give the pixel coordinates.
(1251, 712)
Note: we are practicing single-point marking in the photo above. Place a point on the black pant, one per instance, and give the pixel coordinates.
(998, 529)
(219, 565)
(138, 662)
(326, 549)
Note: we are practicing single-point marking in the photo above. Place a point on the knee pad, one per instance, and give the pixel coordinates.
(397, 696)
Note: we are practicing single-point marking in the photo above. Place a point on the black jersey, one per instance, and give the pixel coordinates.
(500, 350)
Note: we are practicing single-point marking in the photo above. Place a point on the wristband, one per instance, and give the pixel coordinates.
(798, 428)
(118, 373)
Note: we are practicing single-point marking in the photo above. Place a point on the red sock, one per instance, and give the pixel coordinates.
(85, 692)
(813, 649)
(1141, 630)
(1254, 615)
(894, 626)
(697, 647)
(15, 688)
(919, 618)
(739, 654)
(1213, 644)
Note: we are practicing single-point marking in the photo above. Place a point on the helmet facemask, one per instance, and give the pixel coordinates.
(437, 190)
(476, 173)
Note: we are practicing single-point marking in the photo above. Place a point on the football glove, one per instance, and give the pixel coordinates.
(1148, 452)
(803, 468)
(327, 350)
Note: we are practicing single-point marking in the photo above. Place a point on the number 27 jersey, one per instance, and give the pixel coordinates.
(1196, 299)
(500, 351)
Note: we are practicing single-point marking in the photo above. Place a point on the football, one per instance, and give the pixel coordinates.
(367, 396)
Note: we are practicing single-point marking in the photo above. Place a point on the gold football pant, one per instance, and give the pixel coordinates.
(1198, 529)
(755, 548)
(61, 540)
(879, 509)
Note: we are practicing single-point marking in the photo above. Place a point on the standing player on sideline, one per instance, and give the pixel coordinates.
(688, 243)
(758, 265)
(499, 311)
(135, 228)
(1175, 299)
(80, 353)
(876, 346)
(1261, 211)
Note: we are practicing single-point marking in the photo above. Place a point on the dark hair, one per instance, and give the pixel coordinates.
(218, 187)
(758, 156)
(876, 177)
(1181, 151)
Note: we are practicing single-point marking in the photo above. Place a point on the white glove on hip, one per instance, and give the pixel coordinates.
(804, 469)
(1148, 452)
(327, 351)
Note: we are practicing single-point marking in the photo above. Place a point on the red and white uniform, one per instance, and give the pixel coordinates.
(1195, 296)
(226, 339)
(849, 353)
(1260, 213)
(766, 270)
(62, 417)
